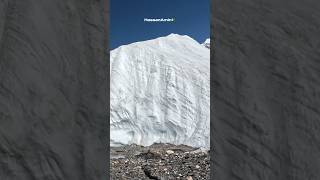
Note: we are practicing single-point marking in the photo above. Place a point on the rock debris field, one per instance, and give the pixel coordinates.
(159, 161)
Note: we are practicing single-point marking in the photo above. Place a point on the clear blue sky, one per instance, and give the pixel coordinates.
(192, 18)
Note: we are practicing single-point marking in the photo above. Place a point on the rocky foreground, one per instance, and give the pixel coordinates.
(159, 161)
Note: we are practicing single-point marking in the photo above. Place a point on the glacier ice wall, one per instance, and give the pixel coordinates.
(160, 92)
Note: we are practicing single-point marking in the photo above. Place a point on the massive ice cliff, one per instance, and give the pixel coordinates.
(160, 92)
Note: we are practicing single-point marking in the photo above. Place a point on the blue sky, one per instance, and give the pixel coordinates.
(192, 18)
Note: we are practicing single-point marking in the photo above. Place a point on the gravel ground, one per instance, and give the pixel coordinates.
(159, 161)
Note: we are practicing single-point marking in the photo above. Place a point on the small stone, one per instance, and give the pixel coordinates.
(189, 178)
(197, 166)
(169, 152)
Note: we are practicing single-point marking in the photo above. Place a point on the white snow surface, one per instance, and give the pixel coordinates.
(160, 92)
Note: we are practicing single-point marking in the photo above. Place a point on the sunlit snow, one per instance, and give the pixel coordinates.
(160, 92)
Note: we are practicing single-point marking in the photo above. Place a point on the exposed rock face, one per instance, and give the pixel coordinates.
(266, 77)
(52, 90)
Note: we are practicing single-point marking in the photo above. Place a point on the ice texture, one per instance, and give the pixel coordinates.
(160, 92)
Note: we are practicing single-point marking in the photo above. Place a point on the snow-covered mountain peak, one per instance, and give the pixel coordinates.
(206, 43)
(172, 40)
(160, 92)
(179, 37)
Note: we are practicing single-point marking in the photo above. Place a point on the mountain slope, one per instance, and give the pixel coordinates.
(160, 92)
